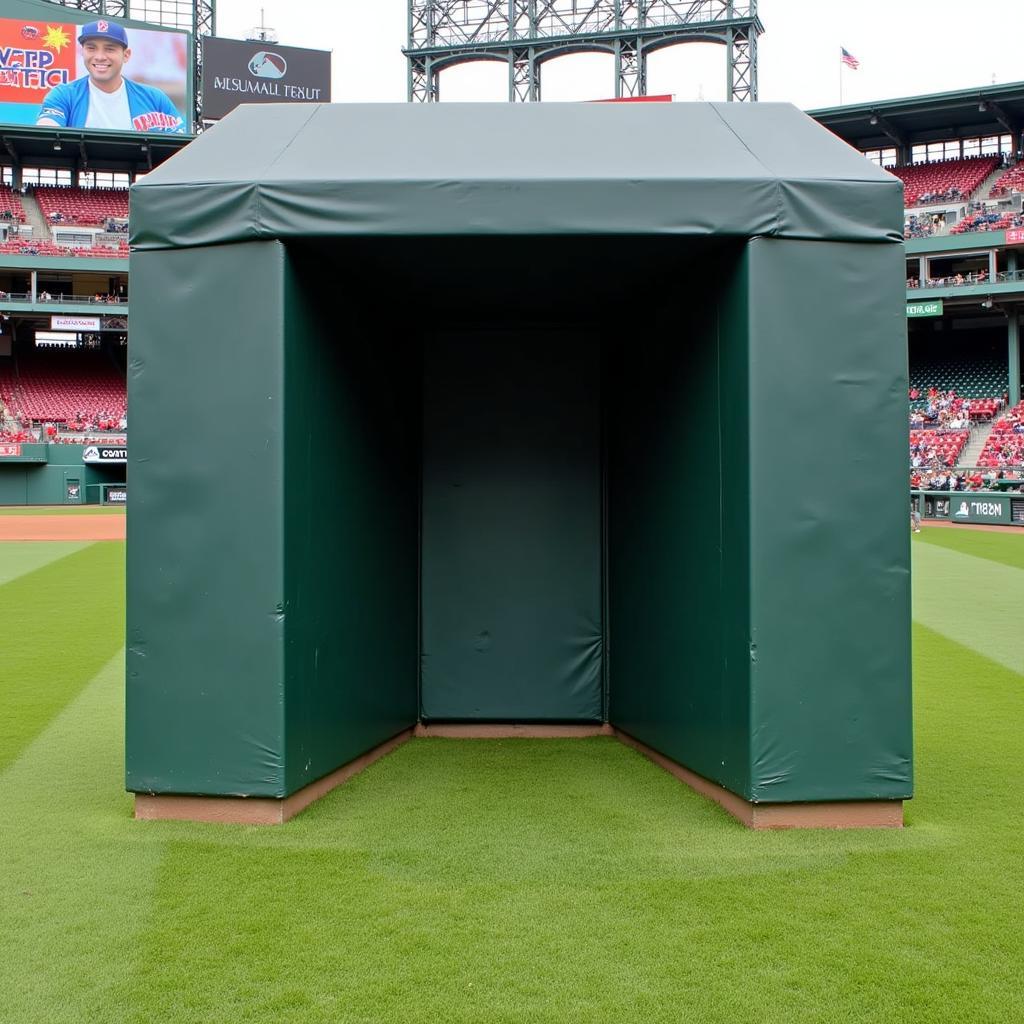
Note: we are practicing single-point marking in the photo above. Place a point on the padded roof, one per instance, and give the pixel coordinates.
(314, 171)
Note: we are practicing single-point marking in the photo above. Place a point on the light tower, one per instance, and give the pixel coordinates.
(524, 34)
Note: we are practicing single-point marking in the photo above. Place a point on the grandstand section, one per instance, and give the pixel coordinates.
(77, 388)
(1010, 182)
(936, 448)
(11, 209)
(929, 183)
(959, 155)
(1005, 445)
(64, 309)
(87, 206)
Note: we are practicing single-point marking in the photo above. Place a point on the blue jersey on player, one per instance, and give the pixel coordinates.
(67, 106)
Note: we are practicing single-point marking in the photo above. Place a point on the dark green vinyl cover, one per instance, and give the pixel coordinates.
(512, 528)
(758, 620)
(298, 171)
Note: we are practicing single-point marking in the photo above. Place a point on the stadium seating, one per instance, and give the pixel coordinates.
(81, 205)
(1005, 446)
(987, 222)
(15, 436)
(946, 180)
(106, 439)
(10, 202)
(80, 388)
(28, 247)
(981, 376)
(938, 447)
(984, 408)
(1008, 182)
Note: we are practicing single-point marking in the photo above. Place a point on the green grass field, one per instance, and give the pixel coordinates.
(506, 881)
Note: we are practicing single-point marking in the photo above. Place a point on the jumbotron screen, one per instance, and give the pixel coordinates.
(101, 75)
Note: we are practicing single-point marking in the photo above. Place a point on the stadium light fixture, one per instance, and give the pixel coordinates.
(56, 146)
(982, 107)
(874, 119)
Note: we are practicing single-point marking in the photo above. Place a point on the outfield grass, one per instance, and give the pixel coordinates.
(520, 880)
(62, 622)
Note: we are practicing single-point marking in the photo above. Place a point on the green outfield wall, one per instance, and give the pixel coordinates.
(977, 507)
(53, 474)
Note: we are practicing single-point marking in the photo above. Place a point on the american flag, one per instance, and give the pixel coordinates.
(848, 59)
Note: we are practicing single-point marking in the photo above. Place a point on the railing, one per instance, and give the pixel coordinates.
(79, 300)
(967, 280)
(62, 300)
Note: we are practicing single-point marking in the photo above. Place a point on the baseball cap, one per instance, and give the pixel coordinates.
(103, 29)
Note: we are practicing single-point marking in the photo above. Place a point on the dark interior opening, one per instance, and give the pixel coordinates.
(515, 476)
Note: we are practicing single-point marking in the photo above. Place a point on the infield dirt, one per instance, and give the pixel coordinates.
(60, 527)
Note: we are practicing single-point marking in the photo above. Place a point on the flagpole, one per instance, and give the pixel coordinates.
(840, 76)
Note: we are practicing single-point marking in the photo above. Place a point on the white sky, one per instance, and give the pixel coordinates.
(906, 48)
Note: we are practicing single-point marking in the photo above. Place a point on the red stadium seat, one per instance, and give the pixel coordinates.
(946, 180)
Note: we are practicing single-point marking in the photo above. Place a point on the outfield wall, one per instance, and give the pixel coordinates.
(988, 507)
(54, 474)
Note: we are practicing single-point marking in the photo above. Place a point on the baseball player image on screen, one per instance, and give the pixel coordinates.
(105, 98)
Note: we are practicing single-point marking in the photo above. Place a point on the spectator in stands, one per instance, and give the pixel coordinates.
(105, 98)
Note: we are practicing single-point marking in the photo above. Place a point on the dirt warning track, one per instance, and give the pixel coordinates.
(63, 527)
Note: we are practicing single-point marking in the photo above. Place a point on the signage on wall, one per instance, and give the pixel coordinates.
(10, 451)
(933, 308)
(974, 510)
(74, 323)
(237, 72)
(1015, 236)
(95, 455)
(117, 496)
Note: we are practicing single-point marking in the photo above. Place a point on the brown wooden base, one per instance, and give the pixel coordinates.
(240, 810)
(825, 814)
(510, 731)
(269, 811)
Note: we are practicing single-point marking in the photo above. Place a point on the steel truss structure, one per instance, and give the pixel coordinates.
(526, 33)
(196, 16)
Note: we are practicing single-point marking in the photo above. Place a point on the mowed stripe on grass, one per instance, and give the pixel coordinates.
(974, 601)
(521, 881)
(61, 624)
(1005, 546)
(18, 559)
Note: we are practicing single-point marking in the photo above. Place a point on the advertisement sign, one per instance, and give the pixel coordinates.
(116, 496)
(925, 308)
(95, 455)
(10, 451)
(99, 74)
(1015, 236)
(237, 72)
(74, 323)
(990, 509)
